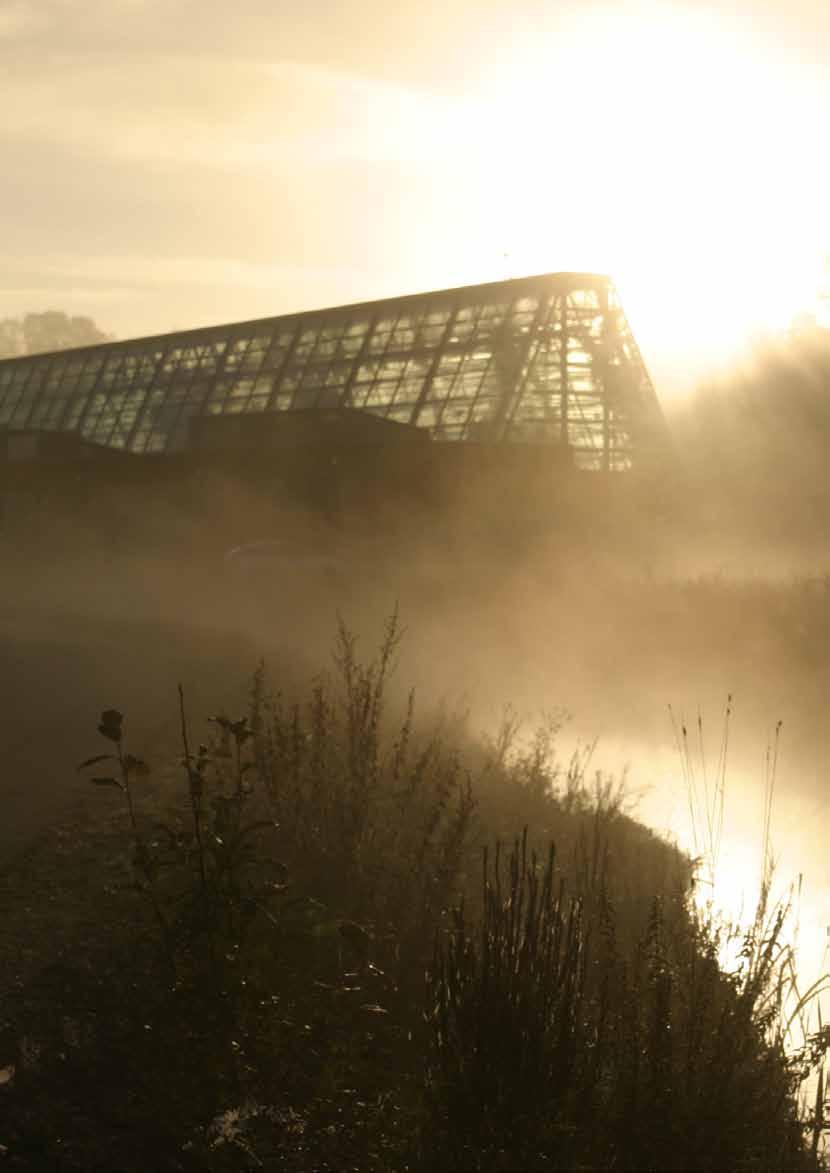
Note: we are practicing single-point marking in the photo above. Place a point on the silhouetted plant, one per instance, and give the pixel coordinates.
(144, 861)
(374, 822)
(553, 1047)
(350, 995)
(505, 1006)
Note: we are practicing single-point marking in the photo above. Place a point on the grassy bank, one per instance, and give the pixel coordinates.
(336, 934)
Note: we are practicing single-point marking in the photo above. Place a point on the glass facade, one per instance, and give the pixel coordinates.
(546, 359)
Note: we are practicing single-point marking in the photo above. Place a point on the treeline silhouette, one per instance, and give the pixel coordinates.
(36, 333)
(755, 442)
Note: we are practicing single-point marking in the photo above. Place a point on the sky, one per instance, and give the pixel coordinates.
(172, 163)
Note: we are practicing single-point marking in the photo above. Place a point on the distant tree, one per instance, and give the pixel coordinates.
(52, 330)
(12, 341)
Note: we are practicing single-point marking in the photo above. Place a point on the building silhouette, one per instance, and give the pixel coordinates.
(547, 360)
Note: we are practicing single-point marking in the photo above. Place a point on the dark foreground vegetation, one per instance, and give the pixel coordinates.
(330, 937)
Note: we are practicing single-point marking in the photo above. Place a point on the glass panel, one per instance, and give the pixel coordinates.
(367, 372)
(485, 408)
(350, 347)
(262, 385)
(220, 390)
(524, 314)
(403, 337)
(428, 415)
(74, 412)
(86, 382)
(40, 412)
(235, 354)
(381, 393)
(128, 418)
(392, 369)
(279, 347)
(59, 413)
(441, 387)
(238, 392)
(252, 361)
(399, 413)
(102, 431)
(462, 331)
(418, 368)
(21, 412)
(313, 377)
(110, 373)
(305, 343)
(410, 390)
(381, 335)
(360, 393)
(108, 416)
(209, 361)
(449, 434)
(198, 392)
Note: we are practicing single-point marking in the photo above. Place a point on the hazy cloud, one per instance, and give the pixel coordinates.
(223, 114)
(18, 18)
(373, 147)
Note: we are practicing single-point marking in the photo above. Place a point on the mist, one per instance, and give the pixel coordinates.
(610, 600)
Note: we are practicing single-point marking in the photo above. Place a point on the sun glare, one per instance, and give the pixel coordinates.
(673, 154)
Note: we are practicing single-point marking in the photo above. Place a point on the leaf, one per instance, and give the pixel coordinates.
(137, 765)
(106, 782)
(112, 732)
(101, 757)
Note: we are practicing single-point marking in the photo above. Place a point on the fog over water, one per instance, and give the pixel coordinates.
(608, 607)
(88, 624)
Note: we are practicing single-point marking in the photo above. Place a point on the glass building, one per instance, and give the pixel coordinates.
(536, 360)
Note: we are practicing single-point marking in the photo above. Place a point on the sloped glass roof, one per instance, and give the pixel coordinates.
(547, 359)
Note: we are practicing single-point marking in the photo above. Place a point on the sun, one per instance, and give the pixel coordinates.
(654, 143)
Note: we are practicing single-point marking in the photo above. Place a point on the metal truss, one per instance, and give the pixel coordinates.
(543, 360)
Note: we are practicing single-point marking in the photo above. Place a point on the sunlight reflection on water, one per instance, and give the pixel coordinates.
(660, 799)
